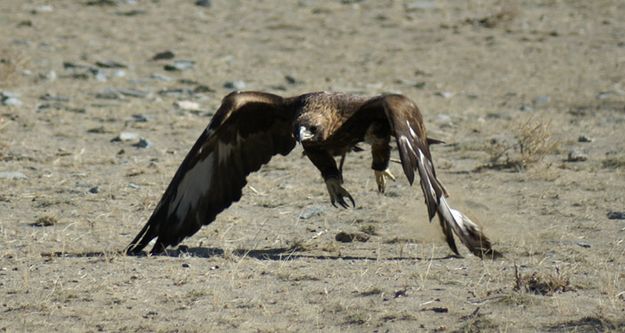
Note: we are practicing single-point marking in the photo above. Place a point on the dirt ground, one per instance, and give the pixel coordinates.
(528, 95)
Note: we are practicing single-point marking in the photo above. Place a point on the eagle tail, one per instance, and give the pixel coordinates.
(468, 231)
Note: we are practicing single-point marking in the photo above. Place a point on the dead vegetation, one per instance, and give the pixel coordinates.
(532, 141)
(541, 284)
(11, 64)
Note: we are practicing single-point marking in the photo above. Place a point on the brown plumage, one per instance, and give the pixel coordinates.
(250, 127)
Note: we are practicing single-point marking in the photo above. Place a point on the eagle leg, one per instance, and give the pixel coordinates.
(338, 193)
(380, 178)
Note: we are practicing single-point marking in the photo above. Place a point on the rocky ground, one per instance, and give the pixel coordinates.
(101, 100)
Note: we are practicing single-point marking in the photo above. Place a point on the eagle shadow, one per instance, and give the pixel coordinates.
(275, 254)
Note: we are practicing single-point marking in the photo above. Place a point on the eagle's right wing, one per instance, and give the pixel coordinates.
(245, 132)
(405, 123)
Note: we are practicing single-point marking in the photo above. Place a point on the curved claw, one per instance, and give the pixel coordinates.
(380, 178)
(338, 193)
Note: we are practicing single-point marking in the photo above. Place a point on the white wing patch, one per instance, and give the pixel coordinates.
(194, 184)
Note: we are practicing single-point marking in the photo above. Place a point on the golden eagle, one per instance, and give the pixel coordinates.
(250, 127)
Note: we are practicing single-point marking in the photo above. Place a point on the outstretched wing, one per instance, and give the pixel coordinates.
(245, 132)
(405, 123)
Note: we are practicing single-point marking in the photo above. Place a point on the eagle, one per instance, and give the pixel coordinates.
(251, 127)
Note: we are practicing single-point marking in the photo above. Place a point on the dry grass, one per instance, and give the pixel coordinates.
(532, 142)
(541, 284)
(11, 64)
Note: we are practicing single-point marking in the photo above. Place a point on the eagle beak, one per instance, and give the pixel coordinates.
(304, 134)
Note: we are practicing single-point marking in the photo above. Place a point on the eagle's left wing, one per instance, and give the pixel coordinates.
(404, 121)
(245, 132)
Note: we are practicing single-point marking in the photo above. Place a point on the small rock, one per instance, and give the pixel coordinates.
(159, 77)
(94, 190)
(445, 94)
(345, 237)
(185, 265)
(584, 138)
(179, 65)
(526, 108)
(143, 143)
(110, 64)
(584, 245)
(99, 76)
(290, 79)
(51, 76)
(164, 55)
(444, 120)
(134, 186)
(119, 73)
(236, 85)
(126, 136)
(53, 98)
(130, 92)
(576, 155)
(614, 215)
(203, 3)
(187, 105)
(12, 175)
(541, 101)
(10, 99)
(310, 212)
(139, 118)
(108, 93)
(420, 5)
(43, 9)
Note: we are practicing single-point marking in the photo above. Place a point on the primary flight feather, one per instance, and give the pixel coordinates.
(251, 127)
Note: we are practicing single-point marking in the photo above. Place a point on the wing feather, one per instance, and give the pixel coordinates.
(247, 130)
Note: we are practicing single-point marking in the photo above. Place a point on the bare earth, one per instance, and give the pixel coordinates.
(510, 86)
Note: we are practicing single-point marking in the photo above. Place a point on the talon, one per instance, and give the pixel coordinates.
(380, 178)
(338, 193)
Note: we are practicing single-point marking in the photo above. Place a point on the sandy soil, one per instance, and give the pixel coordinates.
(529, 96)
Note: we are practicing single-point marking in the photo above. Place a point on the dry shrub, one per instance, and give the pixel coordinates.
(541, 284)
(11, 63)
(531, 143)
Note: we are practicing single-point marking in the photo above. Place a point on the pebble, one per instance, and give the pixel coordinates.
(126, 136)
(614, 215)
(290, 79)
(164, 55)
(139, 118)
(236, 85)
(345, 237)
(143, 143)
(575, 155)
(110, 64)
(541, 100)
(187, 105)
(10, 99)
(310, 212)
(584, 245)
(12, 175)
(584, 138)
(94, 190)
(53, 98)
(444, 120)
(179, 65)
(108, 93)
(131, 92)
(133, 185)
(420, 5)
(159, 77)
(203, 3)
(445, 94)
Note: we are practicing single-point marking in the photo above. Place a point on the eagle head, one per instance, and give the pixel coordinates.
(309, 130)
